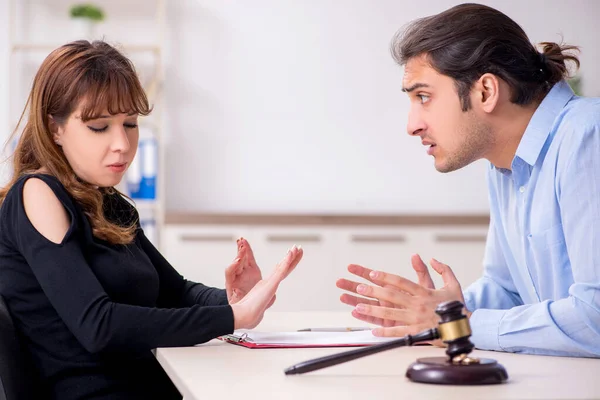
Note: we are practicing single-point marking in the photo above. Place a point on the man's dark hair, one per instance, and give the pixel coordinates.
(469, 40)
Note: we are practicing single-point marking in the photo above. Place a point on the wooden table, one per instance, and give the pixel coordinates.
(218, 370)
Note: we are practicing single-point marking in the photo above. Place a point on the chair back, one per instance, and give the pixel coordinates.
(17, 380)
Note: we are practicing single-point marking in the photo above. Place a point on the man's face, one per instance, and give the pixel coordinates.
(455, 138)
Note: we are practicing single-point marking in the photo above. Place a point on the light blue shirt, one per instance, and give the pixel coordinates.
(540, 290)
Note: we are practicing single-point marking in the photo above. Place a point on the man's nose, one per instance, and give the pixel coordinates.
(416, 124)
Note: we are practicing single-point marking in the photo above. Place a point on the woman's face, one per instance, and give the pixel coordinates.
(99, 150)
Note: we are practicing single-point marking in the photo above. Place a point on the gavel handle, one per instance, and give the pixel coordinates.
(339, 358)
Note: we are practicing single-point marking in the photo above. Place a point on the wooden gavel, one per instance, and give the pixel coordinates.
(453, 329)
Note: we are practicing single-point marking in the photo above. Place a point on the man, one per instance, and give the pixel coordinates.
(479, 89)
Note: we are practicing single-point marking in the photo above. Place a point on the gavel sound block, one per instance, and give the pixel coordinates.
(457, 368)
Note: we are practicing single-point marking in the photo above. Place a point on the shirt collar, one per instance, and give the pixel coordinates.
(541, 122)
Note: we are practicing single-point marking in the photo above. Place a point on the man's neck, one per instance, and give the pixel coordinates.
(509, 127)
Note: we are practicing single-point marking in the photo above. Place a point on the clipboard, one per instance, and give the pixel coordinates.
(287, 340)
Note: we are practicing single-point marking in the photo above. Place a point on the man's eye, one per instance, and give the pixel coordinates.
(424, 98)
(97, 129)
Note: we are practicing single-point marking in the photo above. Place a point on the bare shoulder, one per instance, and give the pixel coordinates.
(44, 210)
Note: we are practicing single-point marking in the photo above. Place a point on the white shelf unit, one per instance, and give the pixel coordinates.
(32, 50)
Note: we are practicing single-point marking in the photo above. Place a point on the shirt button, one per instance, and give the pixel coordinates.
(522, 189)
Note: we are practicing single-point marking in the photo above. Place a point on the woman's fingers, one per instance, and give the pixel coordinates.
(230, 277)
(248, 252)
(231, 270)
(289, 262)
(272, 301)
(281, 271)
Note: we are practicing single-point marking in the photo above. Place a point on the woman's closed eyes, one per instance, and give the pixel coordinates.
(104, 128)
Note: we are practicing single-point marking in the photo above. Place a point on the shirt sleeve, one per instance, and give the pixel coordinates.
(97, 322)
(568, 326)
(175, 291)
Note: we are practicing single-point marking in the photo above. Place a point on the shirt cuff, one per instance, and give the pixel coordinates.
(469, 301)
(485, 327)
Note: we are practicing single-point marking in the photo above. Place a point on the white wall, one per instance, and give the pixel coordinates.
(4, 76)
(295, 106)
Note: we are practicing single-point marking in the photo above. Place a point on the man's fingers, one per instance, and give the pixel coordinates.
(351, 286)
(446, 272)
(399, 282)
(422, 272)
(346, 284)
(403, 317)
(364, 273)
(354, 300)
(359, 270)
(395, 331)
(388, 295)
(367, 318)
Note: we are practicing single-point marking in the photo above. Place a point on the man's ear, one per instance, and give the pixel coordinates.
(486, 92)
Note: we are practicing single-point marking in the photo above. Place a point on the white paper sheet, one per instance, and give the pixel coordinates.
(311, 338)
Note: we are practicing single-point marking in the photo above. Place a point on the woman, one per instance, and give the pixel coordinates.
(89, 294)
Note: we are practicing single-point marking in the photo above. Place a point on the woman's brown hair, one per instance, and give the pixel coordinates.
(100, 78)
